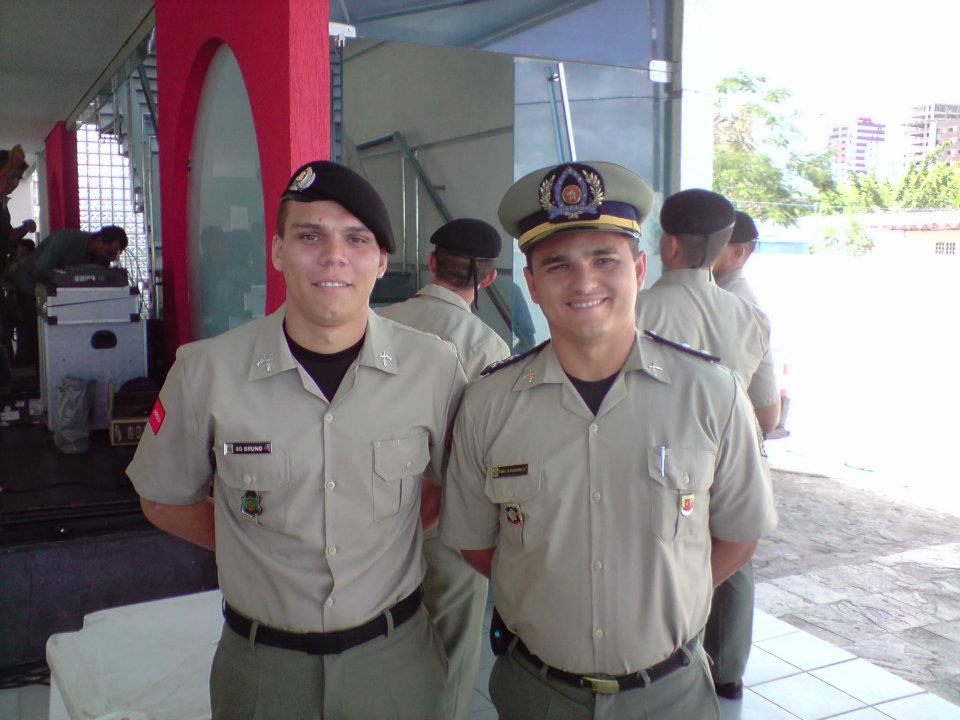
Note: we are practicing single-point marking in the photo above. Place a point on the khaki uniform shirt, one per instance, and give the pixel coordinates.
(338, 539)
(686, 306)
(736, 282)
(440, 311)
(602, 525)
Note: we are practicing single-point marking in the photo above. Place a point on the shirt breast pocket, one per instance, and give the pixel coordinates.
(397, 467)
(255, 485)
(679, 484)
(521, 520)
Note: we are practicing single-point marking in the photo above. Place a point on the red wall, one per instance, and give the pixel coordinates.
(63, 184)
(282, 49)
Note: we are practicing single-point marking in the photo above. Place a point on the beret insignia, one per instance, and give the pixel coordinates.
(303, 180)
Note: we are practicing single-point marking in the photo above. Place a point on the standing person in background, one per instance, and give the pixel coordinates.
(686, 306)
(463, 262)
(12, 166)
(728, 269)
(602, 478)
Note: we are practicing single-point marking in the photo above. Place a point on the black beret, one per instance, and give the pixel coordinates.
(324, 180)
(469, 238)
(745, 230)
(696, 212)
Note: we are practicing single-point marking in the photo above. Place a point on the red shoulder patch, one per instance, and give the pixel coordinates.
(156, 416)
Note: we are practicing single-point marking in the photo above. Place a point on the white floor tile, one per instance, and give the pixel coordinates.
(920, 707)
(766, 626)
(866, 682)
(864, 714)
(763, 667)
(807, 697)
(34, 702)
(752, 707)
(804, 650)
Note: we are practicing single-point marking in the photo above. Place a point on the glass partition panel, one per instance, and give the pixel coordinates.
(226, 252)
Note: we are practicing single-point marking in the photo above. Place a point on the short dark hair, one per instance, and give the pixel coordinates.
(112, 234)
(26, 243)
(703, 251)
(633, 242)
(455, 269)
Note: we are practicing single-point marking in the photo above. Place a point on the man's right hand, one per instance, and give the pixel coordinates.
(28, 226)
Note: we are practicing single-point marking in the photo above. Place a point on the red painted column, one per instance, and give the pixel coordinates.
(282, 49)
(63, 183)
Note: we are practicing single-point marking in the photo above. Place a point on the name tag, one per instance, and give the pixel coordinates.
(247, 448)
(510, 470)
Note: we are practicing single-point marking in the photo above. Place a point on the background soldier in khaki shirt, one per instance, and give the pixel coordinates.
(462, 263)
(686, 306)
(728, 269)
(602, 478)
(317, 490)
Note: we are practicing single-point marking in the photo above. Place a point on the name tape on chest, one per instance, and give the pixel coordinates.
(514, 470)
(248, 448)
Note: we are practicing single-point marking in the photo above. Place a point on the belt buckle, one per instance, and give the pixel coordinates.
(600, 686)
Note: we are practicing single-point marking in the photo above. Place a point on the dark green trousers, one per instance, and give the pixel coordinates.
(729, 632)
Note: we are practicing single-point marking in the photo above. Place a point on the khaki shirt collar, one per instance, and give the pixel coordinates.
(686, 276)
(271, 354)
(546, 368)
(441, 293)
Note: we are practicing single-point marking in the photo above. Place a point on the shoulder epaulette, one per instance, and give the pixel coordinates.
(501, 364)
(682, 347)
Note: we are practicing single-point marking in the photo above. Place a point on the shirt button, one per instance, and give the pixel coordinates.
(247, 479)
(594, 428)
(597, 565)
(407, 465)
(332, 550)
(331, 485)
(686, 479)
(328, 417)
(328, 602)
(598, 633)
(596, 497)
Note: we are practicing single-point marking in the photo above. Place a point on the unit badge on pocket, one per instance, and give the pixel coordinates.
(514, 514)
(250, 505)
(686, 504)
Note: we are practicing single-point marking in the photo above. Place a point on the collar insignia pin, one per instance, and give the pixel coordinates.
(530, 376)
(265, 362)
(656, 368)
(385, 359)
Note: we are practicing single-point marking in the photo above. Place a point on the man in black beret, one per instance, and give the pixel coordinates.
(686, 306)
(463, 262)
(322, 428)
(728, 269)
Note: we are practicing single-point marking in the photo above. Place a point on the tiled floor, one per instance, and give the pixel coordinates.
(792, 675)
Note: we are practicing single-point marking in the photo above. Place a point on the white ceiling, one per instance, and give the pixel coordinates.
(51, 52)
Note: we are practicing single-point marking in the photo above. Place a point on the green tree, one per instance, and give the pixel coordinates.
(754, 163)
(852, 240)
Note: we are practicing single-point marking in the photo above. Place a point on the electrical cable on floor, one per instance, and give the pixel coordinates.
(17, 676)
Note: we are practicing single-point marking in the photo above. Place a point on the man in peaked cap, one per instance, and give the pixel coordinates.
(463, 261)
(686, 306)
(601, 478)
(318, 494)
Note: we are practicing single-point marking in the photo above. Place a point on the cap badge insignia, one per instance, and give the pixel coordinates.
(250, 505)
(265, 362)
(686, 504)
(515, 514)
(385, 359)
(303, 180)
(571, 193)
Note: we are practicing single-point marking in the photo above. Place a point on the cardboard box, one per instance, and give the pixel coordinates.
(126, 430)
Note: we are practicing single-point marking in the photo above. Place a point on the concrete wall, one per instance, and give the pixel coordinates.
(455, 107)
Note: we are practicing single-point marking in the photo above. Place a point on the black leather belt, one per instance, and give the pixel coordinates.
(611, 685)
(330, 643)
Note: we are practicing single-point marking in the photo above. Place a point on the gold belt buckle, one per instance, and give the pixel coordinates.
(601, 686)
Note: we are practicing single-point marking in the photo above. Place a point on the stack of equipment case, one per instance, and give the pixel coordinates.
(93, 333)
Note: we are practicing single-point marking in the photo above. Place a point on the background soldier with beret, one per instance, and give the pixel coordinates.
(686, 306)
(728, 269)
(602, 478)
(463, 262)
(318, 493)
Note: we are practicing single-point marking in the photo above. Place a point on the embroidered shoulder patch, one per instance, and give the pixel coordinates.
(156, 416)
(501, 364)
(682, 347)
